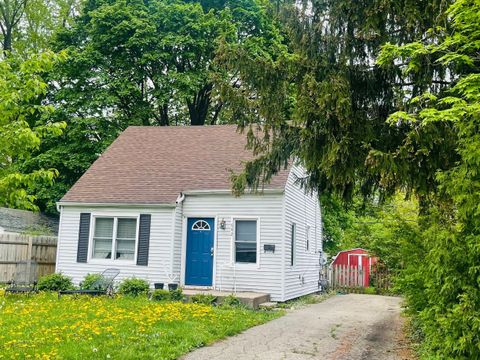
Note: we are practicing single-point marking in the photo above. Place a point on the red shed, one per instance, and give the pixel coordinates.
(357, 258)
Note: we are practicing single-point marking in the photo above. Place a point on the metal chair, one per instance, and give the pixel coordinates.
(103, 286)
(24, 279)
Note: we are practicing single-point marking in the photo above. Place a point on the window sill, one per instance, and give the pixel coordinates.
(111, 262)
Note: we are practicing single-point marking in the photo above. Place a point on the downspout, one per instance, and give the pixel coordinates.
(180, 198)
(60, 210)
(179, 207)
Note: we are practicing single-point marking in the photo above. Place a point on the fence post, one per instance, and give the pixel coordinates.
(29, 259)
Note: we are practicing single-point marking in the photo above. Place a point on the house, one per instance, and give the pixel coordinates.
(158, 205)
(22, 221)
(357, 258)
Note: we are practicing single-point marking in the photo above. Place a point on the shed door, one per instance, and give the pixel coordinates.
(199, 258)
(366, 270)
(359, 262)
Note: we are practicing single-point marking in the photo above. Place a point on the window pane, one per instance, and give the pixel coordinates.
(125, 249)
(102, 248)
(246, 252)
(246, 230)
(102, 238)
(103, 227)
(126, 228)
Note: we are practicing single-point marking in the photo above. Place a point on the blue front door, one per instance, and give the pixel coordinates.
(199, 259)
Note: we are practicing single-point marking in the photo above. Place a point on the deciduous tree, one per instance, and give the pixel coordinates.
(23, 124)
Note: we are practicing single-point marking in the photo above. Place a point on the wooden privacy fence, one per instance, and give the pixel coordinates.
(355, 279)
(343, 276)
(16, 249)
(380, 278)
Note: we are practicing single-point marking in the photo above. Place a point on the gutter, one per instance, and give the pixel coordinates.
(123, 205)
(229, 192)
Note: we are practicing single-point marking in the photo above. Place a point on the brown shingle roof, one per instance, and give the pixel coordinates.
(152, 165)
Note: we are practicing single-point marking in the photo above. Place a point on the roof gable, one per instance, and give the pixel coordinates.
(152, 165)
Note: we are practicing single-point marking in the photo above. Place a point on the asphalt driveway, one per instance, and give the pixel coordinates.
(342, 327)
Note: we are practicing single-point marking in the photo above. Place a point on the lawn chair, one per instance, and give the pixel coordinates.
(24, 279)
(103, 286)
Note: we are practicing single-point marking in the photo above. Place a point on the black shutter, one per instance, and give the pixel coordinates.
(143, 239)
(83, 235)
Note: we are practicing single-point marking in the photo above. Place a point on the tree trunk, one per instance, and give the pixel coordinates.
(216, 112)
(7, 40)
(164, 121)
(10, 15)
(198, 106)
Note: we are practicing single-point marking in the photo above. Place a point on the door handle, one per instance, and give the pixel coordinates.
(211, 251)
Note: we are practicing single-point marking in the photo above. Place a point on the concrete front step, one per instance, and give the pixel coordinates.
(269, 305)
(248, 298)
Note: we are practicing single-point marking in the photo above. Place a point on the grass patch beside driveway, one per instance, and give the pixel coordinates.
(45, 327)
(305, 300)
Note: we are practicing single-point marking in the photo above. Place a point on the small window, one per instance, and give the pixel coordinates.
(116, 236)
(293, 236)
(246, 241)
(201, 225)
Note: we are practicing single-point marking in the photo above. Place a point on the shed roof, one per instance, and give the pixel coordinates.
(153, 165)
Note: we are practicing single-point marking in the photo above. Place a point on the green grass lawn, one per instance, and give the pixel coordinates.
(45, 327)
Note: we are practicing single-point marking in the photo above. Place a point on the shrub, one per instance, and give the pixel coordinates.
(161, 295)
(176, 295)
(370, 290)
(134, 287)
(90, 280)
(205, 299)
(231, 301)
(55, 282)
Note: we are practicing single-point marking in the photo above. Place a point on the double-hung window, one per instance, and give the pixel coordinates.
(246, 238)
(114, 238)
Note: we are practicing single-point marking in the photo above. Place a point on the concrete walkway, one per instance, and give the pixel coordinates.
(342, 327)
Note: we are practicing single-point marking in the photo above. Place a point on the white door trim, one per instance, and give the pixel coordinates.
(184, 249)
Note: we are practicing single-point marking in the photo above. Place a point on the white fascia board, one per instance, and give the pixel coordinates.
(229, 192)
(119, 205)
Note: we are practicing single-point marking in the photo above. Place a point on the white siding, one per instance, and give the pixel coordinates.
(264, 277)
(160, 265)
(275, 213)
(303, 210)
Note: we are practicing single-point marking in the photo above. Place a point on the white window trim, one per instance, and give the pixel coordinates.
(293, 262)
(232, 254)
(115, 217)
(207, 228)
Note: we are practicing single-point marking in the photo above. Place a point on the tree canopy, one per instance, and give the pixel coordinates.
(151, 63)
(143, 63)
(28, 25)
(328, 101)
(378, 100)
(23, 125)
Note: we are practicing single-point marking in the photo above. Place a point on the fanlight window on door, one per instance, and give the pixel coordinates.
(201, 225)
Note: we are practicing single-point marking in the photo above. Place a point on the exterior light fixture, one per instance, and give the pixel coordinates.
(223, 224)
